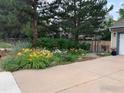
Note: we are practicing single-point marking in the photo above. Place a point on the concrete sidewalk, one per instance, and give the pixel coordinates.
(8, 84)
(104, 75)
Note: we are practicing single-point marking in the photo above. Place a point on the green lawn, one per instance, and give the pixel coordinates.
(5, 45)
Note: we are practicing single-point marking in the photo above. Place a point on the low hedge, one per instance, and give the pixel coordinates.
(50, 43)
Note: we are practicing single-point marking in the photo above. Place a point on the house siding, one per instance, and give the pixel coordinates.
(114, 40)
(115, 37)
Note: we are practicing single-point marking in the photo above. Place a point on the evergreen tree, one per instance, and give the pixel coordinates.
(33, 10)
(34, 17)
(79, 16)
(9, 23)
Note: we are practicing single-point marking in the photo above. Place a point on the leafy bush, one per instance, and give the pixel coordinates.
(47, 43)
(28, 59)
(85, 46)
(66, 44)
(11, 64)
(50, 43)
(68, 56)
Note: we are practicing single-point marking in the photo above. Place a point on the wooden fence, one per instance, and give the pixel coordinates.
(99, 46)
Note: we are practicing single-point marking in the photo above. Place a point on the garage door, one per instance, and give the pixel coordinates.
(121, 44)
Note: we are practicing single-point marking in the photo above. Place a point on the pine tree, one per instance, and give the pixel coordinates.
(79, 16)
(9, 24)
(30, 11)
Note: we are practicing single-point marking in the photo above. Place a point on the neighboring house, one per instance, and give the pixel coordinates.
(117, 37)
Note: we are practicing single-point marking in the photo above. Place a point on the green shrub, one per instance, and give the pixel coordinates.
(69, 56)
(51, 44)
(10, 64)
(57, 58)
(64, 58)
(66, 44)
(46, 42)
(85, 46)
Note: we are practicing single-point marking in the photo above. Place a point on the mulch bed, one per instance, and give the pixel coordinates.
(3, 53)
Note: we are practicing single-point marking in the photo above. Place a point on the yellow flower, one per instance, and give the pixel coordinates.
(19, 54)
(26, 50)
(23, 49)
(37, 54)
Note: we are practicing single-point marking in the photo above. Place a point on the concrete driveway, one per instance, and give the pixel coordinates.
(103, 75)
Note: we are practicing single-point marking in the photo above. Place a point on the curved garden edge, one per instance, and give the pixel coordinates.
(79, 59)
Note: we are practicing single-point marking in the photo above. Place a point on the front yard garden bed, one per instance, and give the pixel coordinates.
(41, 58)
(22, 56)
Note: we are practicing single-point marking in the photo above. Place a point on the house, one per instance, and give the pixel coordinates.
(117, 37)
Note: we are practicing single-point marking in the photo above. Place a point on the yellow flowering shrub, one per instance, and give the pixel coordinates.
(34, 58)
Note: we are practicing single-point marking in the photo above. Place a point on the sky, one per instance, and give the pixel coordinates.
(117, 5)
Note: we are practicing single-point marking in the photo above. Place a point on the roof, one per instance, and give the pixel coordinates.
(118, 24)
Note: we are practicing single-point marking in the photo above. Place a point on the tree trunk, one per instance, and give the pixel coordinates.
(35, 32)
(76, 36)
(75, 21)
(34, 23)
